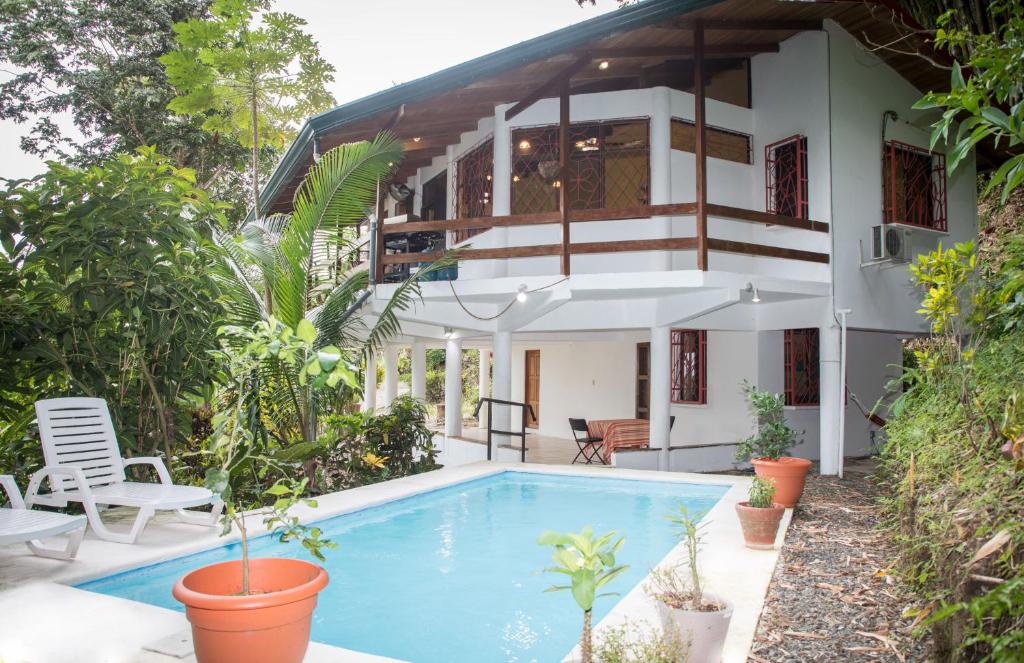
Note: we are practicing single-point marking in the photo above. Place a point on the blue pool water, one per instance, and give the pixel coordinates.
(454, 575)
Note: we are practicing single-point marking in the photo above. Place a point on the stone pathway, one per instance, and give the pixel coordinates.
(832, 598)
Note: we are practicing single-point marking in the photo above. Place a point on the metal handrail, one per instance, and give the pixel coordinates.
(490, 422)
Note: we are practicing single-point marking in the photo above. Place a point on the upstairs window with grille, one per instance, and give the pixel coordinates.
(689, 366)
(801, 367)
(913, 186)
(473, 186)
(785, 171)
(609, 167)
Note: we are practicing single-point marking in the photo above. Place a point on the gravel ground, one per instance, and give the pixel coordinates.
(831, 598)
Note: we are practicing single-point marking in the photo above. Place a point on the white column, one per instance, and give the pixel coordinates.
(830, 397)
(660, 407)
(370, 384)
(661, 169)
(453, 387)
(390, 374)
(419, 370)
(483, 382)
(501, 387)
(501, 193)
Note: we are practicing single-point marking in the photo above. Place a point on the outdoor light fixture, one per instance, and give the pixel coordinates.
(603, 65)
(449, 332)
(753, 289)
(417, 139)
(521, 295)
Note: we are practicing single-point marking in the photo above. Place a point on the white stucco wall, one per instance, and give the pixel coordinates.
(862, 88)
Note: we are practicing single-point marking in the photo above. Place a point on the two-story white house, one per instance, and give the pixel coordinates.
(657, 204)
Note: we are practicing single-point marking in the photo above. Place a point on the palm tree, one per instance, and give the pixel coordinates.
(282, 266)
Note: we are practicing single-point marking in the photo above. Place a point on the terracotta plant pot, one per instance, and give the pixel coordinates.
(789, 474)
(271, 625)
(760, 525)
(705, 631)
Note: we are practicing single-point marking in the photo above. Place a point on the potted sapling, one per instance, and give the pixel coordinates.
(760, 515)
(766, 449)
(259, 610)
(697, 616)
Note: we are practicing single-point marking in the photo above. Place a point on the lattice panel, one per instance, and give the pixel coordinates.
(609, 166)
(473, 194)
(689, 367)
(785, 167)
(914, 186)
(802, 367)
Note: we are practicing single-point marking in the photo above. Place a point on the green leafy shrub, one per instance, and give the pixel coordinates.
(638, 643)
(762, 490)
(774, 437)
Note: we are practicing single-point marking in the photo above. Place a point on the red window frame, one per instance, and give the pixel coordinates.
(802, 366)
(785, 177)
(689, 368)
(913, 186)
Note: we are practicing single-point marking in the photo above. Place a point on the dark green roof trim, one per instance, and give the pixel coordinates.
(460, 75)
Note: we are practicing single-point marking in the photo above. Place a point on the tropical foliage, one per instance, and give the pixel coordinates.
(253, 80)
(589, 563)
(108, 292)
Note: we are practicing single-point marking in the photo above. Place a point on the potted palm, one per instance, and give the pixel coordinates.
(259, 610)
(590, 564)
(698, 617)
(766, 449)
(760, 515)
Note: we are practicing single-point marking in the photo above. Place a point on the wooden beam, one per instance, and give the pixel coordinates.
(685, 52)
(477, 254)
(752, 216)
(563, 171)
(549, 88)
(754, 25)
(637, 212)
(473, 223)
(746, 248)
(700, 146)
(661, 244)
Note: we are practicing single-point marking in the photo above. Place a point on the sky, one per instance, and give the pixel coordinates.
(377, 43)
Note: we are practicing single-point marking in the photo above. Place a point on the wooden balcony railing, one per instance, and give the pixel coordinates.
(640, 212)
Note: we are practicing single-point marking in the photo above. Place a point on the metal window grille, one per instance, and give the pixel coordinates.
(609, 166)
(689, 366)
(913, 186)
(801, 367)
(785, 172)
(473, 185)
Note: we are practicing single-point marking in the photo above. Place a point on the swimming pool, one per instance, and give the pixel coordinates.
(454, 574)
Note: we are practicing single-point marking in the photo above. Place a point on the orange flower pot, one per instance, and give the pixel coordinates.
(760, 526)
(789, 474)
(270, 625)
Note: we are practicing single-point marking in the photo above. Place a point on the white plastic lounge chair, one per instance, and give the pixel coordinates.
(84, 464)
(21, 525)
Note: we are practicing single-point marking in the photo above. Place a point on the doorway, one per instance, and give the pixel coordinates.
(643, 380)
(532, 397)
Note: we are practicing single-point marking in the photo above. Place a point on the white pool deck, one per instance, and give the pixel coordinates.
(44, 620)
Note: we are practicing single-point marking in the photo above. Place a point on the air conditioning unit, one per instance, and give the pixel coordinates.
(891, 243)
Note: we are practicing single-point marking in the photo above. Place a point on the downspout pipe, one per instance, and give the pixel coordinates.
(842, 313)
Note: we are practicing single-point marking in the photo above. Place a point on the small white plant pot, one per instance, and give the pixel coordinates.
(704, 631)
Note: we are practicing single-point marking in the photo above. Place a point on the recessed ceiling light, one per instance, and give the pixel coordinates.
(417, 139)
(603, 65)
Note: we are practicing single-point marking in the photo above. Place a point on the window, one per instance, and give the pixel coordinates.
(801, 366)
(473, 186)
(609, 167)
(689, 366)
(722, 143)
(785, 172)
(913, 186)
